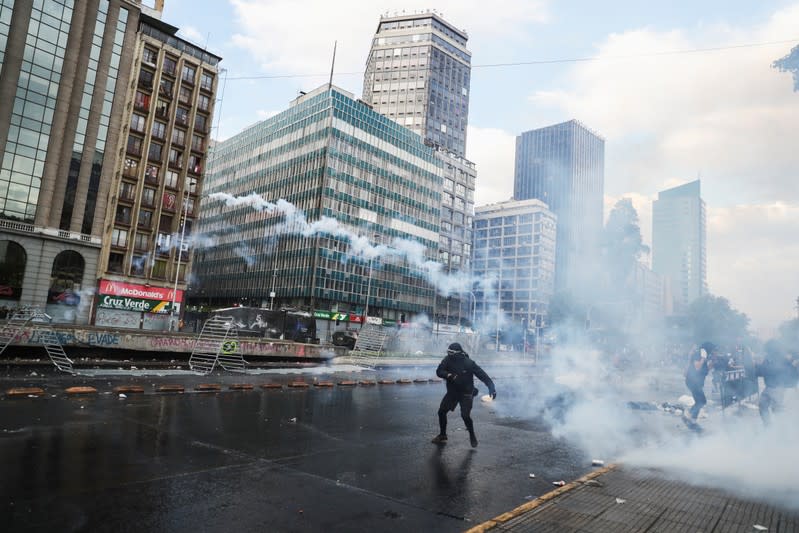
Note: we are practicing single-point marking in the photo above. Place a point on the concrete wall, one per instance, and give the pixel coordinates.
(91, 337)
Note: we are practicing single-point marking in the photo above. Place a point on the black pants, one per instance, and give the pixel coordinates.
(448, 403)
(699, 400)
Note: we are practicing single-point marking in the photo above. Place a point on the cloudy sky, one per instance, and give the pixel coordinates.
(679, 90)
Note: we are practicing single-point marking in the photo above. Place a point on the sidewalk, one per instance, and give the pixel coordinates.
(619, 499)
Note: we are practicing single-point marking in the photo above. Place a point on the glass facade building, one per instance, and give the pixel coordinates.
(62, 65)
(418, 74)
(328, 155)
(679, 242)
(514, 257)
(564, 166)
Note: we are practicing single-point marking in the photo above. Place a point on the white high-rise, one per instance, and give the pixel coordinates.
(679, 242)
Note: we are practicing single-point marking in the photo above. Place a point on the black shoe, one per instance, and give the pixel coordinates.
(473, 440)
(439, 439)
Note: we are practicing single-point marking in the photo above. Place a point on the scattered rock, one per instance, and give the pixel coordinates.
(620, 500)
(559, 483)
(532, 475)
(597, 462)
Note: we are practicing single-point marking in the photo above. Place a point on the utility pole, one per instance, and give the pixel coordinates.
(272, 292)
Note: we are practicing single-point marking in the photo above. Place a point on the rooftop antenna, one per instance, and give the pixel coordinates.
(332, 66)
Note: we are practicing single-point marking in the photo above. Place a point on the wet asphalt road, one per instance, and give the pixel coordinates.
(355, 459)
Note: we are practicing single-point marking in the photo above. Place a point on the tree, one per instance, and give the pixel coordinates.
(788, 335)
(711, 318)
(622, 244)
(790, 63)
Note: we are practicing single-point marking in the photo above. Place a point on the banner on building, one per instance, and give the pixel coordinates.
(132, 290)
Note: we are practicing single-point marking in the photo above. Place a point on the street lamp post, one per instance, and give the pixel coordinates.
(173, 324)
(368, 293)
(474, 304)
(272, 292)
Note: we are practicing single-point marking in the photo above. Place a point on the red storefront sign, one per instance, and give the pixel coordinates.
(131, 290)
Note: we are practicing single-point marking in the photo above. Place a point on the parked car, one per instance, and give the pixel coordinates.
(345, 338)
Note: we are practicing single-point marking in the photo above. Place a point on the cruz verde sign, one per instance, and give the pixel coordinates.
(124, 303)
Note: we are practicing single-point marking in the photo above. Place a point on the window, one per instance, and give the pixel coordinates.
(119, 237)
(206, 81)
(163, 243)
(137, 265)
(175, 158)
(165, 224)
(134, 145)
(198, 143)
(145, 219)
(137, 123)
(166, 87)
(123, 215)
(182, 116)
(141, 242)
(149, 57)
(162, 109)
(131, 167)
(200, 122)
(188, 74)
(195, 164)
(159, 130)
(145, 79)
(191, 185)
(151, 174)
(127, 191)
(178, 137)
(204, 103)
(148, 197)
(115, 263)
(171, 180)
(159, 268)
(170, 65)
(156, 152)
(185, 95)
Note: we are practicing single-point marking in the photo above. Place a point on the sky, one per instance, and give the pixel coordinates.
(715, 110)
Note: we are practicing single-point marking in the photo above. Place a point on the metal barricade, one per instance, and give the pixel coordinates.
(218, 343)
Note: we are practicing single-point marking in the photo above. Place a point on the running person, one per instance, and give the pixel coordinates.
(459, 371)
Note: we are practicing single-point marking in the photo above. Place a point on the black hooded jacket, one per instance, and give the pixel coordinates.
(463, 369)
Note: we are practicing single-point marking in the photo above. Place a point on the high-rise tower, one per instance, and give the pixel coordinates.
(418, 75)
(564, 166)
(679, 240)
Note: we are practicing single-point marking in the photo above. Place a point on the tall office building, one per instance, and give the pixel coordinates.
(64, 68)
(332, 156)
(157, 183)
(564, 166)
(418, 74)
(514, 244)
(679, 242)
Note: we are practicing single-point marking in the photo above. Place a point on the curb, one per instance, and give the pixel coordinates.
(529, 506)
(129, 389)
(347, 383)
(242, 386)
(208, 387)
(385, 382)
(73, 391)
(404, 381)
(19, 392)
(323, 384)
(271, 386)
(170, 388)
(298, 385)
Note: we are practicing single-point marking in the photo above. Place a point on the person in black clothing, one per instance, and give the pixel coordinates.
(779, 371)
(459, 371)
(695, 375)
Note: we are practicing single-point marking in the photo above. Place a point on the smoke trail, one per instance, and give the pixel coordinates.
(413, 252)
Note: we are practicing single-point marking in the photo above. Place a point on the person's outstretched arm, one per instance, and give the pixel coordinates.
(482, 376)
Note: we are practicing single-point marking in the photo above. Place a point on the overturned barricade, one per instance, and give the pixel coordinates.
(217, 343)
(40, 324)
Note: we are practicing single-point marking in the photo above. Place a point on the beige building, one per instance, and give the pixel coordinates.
(157, 183)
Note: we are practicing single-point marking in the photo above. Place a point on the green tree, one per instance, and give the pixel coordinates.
(711, 318)
(788, 335)
(622, 244)
(790, 63)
